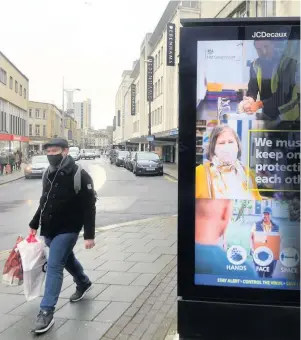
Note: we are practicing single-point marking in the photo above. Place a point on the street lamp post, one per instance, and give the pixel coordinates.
(63, 106)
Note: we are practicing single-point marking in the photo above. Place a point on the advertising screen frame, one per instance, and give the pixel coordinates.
(195, 30)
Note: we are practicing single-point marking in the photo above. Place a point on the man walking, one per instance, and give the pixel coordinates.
(62, 213)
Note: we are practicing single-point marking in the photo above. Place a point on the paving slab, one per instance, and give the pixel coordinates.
(119, 266)
(118, 278)
(143, 257)
(113, 312)
(7, 320)
(143, 280)
(8, 302)
(85, 310)
(32, 308)
(22, 330)
(73, 330)
(97, 288)
(133, 270)
(120, 293)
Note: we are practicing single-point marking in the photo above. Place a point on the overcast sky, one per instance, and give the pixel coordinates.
(89, 42)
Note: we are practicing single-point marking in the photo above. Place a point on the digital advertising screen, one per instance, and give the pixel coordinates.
(247, 175)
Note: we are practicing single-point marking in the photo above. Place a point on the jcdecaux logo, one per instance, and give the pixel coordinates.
(262, 34)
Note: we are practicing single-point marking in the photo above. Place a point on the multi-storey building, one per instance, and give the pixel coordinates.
(44, 123)
(133, 130)
(70, 129)
(14, 86)
(82, 114)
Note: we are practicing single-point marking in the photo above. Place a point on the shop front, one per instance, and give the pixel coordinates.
(166, 145)
(12, 143)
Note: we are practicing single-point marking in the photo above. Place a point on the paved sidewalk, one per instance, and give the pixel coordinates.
(133, 269)
(171, 169)
(13, 176)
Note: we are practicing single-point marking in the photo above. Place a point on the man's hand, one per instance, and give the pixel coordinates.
(89, 244)
(253, 107)
(32, 231)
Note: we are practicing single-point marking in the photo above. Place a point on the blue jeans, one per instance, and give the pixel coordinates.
(61, 256)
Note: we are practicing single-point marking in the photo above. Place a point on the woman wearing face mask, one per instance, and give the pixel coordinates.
(224, 176)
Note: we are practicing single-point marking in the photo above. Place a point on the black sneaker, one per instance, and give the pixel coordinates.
(44, 321)
(81, 292)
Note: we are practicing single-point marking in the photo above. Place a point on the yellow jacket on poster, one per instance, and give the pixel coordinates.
(214, 183)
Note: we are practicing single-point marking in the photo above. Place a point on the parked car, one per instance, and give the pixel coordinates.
(87, 154)
(130, 160)
(74, 149)
(36, 167)
(112, 155)
(126, 160)
(147, 163)
(120, 157)
(75, 155)
(97, 153)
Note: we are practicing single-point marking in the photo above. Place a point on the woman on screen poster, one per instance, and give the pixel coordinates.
(223, 175)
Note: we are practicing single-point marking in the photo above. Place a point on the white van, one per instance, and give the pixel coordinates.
(74, 149)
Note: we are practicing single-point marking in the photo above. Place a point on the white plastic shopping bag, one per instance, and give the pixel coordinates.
(34, 261)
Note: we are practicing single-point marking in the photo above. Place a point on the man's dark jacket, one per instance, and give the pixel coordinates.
(287, 80)
(66, 211)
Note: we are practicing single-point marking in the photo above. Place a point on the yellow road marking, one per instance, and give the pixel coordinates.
(170, 179)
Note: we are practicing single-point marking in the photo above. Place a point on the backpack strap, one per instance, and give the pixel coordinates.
(78, 179)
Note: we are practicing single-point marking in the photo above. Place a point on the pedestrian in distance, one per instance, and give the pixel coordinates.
(65, 207)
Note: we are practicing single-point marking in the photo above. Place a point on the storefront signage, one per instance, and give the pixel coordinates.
(170, 48)
(10, 137)
(133, 99)
(150, 79)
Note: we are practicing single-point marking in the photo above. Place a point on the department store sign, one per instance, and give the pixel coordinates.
(150, 79)
(170, 48)
(133, 99)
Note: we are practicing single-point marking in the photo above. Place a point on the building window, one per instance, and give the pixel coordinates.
(161, 84)
(268, 8)
(44, 130)
(37, 130)
(37, 113)
(30, 129)
(3, 76)
(21, 90)
(159, 87)
(156, 89)
(25, 94)
(156, 62)
(137, 106)
(240, 12)
(162, 55)
(11, 83)
(44, 114)
(16, 86)
(30, 113)
(159, 58)
(161, 115)
(137, 87)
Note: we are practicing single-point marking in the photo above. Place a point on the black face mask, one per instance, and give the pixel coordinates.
(55, 160)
